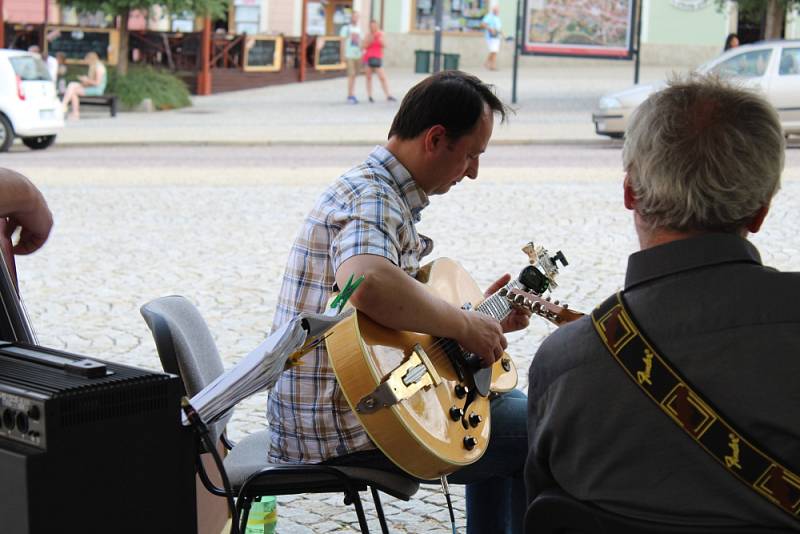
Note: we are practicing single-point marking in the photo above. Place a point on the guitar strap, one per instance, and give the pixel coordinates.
(680, 401)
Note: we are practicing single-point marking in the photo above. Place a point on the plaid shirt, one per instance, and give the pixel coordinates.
(371, 209)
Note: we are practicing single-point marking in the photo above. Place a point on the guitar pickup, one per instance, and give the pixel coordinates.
(414, 374)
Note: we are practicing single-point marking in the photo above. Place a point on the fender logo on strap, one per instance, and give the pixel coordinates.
(657, 379)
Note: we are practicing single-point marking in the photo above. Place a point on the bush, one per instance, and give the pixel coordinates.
(164, 89)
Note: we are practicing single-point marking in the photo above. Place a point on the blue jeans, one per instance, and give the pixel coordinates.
(495, 488)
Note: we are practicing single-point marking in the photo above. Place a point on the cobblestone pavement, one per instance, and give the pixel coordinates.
(131, 227)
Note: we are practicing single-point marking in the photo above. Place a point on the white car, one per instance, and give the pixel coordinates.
(770, 67)
(29, 105)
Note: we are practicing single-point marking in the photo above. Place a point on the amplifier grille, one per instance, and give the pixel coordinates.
(112, 403)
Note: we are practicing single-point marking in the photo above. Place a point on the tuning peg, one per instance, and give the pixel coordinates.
(556, 303)
(560, 257)
(565, 306)
(536, 306)
(503, 292)
(527, 304)
(547, 298)
(519, 299)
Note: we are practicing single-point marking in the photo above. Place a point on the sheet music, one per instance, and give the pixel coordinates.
(259, 370)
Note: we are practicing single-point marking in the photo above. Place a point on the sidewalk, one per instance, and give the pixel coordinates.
(555, 105)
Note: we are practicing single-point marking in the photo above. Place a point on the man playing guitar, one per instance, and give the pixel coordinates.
(364, 224)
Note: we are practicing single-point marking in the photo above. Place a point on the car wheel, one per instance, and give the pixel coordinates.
(6, 134)
(39, 142)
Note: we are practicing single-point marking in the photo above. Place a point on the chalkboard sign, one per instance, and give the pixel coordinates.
(329, 53)
(263, 54)
(76, 42)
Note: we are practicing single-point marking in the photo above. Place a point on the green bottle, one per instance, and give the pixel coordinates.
(263, 516)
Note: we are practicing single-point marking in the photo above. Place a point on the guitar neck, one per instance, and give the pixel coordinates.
(496, 305)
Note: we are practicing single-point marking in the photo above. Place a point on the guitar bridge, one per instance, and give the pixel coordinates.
(414, 374)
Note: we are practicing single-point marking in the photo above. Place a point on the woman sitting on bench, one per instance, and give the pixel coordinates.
(93, 84)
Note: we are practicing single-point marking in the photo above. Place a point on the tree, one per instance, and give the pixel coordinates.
(773, 12)
(123, 9)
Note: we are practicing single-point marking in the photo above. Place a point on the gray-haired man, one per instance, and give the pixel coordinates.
(703, 161)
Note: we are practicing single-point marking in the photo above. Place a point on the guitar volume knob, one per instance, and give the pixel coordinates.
(456, 413)
(475, 419)
(470, 442)
(461, 391)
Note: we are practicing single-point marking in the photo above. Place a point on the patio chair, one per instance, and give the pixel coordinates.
(186, 348)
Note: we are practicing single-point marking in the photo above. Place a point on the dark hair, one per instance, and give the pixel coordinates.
(451, 98)
(729, 39)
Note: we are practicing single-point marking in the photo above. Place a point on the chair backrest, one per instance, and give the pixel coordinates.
(185, 346)
(555, 512)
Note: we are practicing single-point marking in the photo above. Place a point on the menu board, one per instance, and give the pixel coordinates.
(75, 42)
(330, 54)
(263, 54)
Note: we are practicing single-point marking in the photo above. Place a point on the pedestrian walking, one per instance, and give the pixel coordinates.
(492, 26)
(373, 60)
(352, 54)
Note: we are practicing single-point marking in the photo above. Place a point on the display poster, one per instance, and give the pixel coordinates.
(583, 28)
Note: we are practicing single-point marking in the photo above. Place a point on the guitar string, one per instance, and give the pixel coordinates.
(494, 303)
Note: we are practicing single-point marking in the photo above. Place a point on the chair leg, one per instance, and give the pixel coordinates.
(243, 512)
(376, 496)
(362, 518)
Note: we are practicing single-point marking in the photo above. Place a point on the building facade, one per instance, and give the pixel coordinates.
(674, 32)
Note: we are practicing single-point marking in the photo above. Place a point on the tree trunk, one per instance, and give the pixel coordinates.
(122, 64)
(774, 19)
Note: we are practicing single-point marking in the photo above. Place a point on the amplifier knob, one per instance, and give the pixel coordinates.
(8, 418)
(34, 413)
(22, 422)
(470, 442)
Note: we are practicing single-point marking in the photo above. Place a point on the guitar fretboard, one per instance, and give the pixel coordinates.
(496, 305)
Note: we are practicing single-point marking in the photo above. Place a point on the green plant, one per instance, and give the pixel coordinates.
(164, 89)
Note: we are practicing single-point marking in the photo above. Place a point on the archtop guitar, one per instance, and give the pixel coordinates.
(423, 400)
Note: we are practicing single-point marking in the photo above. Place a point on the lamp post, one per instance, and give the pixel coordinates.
(437, 35)
(303, 41)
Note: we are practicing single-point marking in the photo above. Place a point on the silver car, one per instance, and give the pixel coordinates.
(771, 67)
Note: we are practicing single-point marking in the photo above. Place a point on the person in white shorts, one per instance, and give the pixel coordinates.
(492, 25)
(352, 53)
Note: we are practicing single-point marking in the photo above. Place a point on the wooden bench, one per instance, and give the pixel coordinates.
(104, 100)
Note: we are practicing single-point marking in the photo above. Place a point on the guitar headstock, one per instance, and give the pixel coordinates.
(540, 275)
(558, 314)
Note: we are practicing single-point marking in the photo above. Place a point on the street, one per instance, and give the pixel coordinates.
(215, 223)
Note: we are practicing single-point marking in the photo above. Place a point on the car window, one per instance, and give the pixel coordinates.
(29, 68)
(790, 62)
(746, 65)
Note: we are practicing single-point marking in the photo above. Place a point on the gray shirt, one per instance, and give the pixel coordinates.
(732, 327)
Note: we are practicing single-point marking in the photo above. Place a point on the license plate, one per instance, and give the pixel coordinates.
(47, 114)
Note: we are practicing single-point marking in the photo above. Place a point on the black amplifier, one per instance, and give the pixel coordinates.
(91, 446)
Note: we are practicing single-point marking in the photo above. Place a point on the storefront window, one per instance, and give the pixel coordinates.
(457, 15)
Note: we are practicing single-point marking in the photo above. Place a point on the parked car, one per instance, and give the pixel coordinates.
(29, 105)
(771, 67)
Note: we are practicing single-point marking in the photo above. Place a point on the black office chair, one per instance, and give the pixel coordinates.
(555, 512)
(186, 348)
